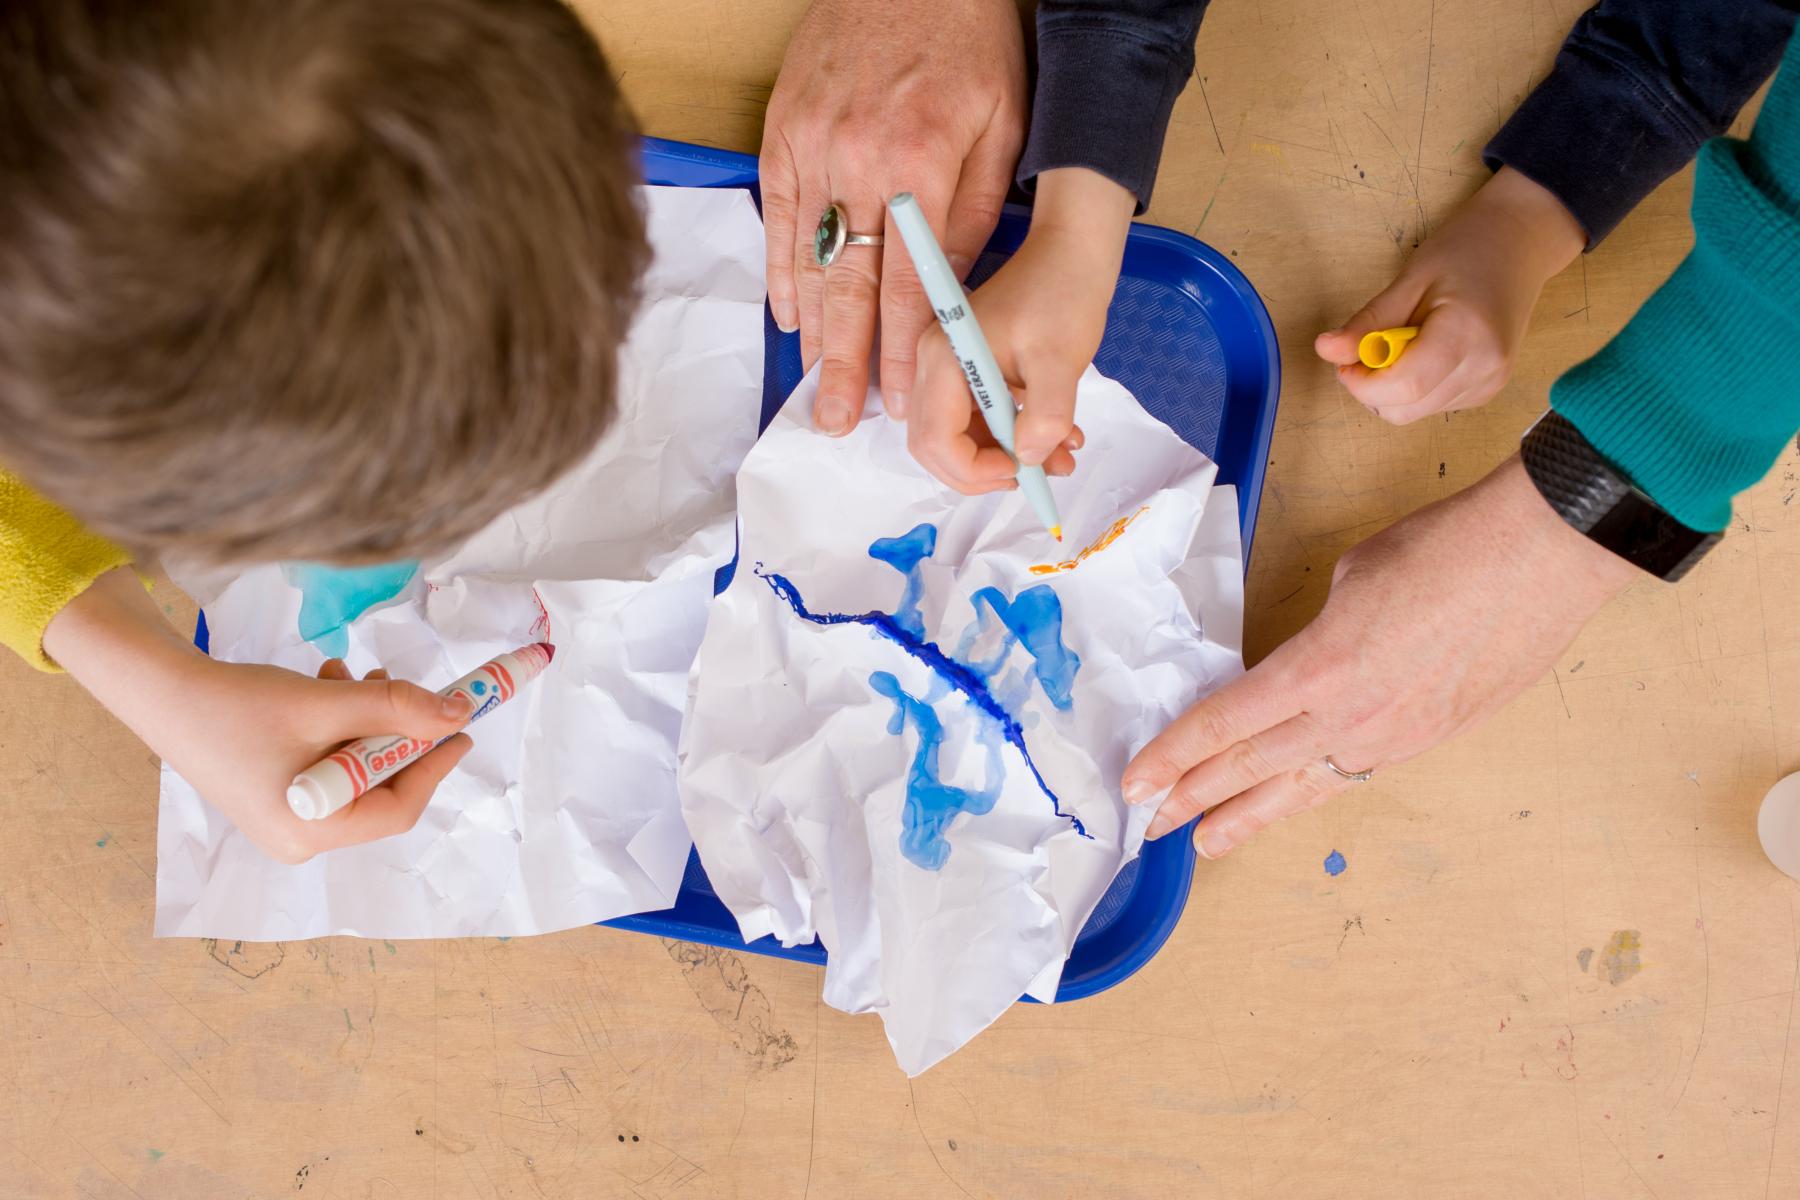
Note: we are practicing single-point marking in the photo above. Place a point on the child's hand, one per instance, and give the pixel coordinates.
(244, 732)
(1043, 314)
(1470, 289)
(240, 733)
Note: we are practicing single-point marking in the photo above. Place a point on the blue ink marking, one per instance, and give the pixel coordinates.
(104, 838)
(331, 598)
(931, 804)
(904, 554)
(1033, 619)
(1335, 864)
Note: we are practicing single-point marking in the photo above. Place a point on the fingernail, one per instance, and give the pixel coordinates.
(960, 263)
(897, 404)
(834, 418)
(1159, 825)
(456, 707)
(1139, 790)
(1212, 845)
(1031, 456)
(784, 319)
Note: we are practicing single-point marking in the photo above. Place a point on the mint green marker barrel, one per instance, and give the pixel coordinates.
(986, 382)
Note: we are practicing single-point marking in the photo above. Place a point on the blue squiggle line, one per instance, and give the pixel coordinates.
(958, 676)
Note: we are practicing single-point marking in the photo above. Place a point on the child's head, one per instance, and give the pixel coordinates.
(307, 278)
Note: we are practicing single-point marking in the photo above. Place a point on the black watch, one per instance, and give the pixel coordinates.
(1596, 499)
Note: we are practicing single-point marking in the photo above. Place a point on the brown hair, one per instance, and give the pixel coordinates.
(307, 278)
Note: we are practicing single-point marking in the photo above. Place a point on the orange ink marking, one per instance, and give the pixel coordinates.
(1098, 544)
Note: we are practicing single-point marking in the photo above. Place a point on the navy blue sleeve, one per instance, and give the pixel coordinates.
(1108, 75)
(1637, 86)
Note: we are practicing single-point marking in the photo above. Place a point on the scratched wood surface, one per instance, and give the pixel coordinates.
(1556, 966)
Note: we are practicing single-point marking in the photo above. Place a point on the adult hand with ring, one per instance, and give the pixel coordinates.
(1431, 626)
(878, 97)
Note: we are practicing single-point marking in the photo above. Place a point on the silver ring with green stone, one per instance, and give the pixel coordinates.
(833, 234)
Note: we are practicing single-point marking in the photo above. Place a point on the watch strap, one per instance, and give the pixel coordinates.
(1595, 499)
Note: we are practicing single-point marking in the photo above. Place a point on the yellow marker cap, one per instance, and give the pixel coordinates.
(1382, 348)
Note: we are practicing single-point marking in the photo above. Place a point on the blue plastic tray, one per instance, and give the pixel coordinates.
(1190, 338)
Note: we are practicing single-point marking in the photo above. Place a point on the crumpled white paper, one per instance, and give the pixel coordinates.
(795, 774)
(565, 811)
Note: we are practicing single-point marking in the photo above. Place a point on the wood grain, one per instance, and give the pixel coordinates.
(1453, 1016)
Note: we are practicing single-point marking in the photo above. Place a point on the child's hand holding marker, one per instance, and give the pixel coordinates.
(1043, 314)
(240, 733)
(1470, 289)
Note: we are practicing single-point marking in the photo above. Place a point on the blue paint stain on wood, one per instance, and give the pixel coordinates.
(1335, 864)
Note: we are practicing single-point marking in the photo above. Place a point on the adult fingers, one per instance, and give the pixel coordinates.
(382, 706)
(852, 299)
(781, 207)
(809, 276)
(396, 805)
(1261, 699)
(980, 195)
(905, 309)
(1242, 817)
(938, 431)
(1236, 769)
(1387, 310)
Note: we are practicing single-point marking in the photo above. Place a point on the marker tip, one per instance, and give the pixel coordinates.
(1056, 532)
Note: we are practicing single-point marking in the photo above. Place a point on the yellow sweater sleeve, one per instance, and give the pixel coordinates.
(46, 560)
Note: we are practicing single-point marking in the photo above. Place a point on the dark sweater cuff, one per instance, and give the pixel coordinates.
(1598, 136)
(1103, 102)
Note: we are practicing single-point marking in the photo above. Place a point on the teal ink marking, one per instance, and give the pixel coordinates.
(104, 838)
(347, 1024)
(904, 554)
(390, 946)
(1335, 864)
(931, 804)
(1033, 619)
(154, 1153)
(332, 598)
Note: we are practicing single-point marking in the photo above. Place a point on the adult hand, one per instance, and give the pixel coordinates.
(1431, 626)
(1043, 314)
(1470, 289)
(878, 97)
(240, 732)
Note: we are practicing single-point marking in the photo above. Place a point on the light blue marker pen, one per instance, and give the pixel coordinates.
(987, 383)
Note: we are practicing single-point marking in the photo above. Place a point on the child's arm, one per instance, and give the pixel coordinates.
(240, 733)
(1637, 87)
(1108, 75)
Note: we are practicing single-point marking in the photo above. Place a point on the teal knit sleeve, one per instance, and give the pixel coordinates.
(1697, 395)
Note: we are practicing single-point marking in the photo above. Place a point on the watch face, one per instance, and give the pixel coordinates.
(1640, 532)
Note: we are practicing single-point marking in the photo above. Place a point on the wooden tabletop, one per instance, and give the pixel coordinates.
(1557, 964)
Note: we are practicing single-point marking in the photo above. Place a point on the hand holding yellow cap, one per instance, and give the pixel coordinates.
(1382, 348)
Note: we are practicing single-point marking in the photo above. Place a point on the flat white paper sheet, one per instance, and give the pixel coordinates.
(809, 777)
(565, 812)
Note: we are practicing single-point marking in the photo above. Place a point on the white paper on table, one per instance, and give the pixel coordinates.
(794, 785)
(565, 811)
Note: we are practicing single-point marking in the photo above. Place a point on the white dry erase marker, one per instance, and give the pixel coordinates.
(347, 773)
(987, 383)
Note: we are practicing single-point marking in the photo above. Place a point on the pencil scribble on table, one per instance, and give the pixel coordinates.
(977, 671)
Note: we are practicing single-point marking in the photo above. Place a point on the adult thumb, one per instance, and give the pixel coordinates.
(1391, 308)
